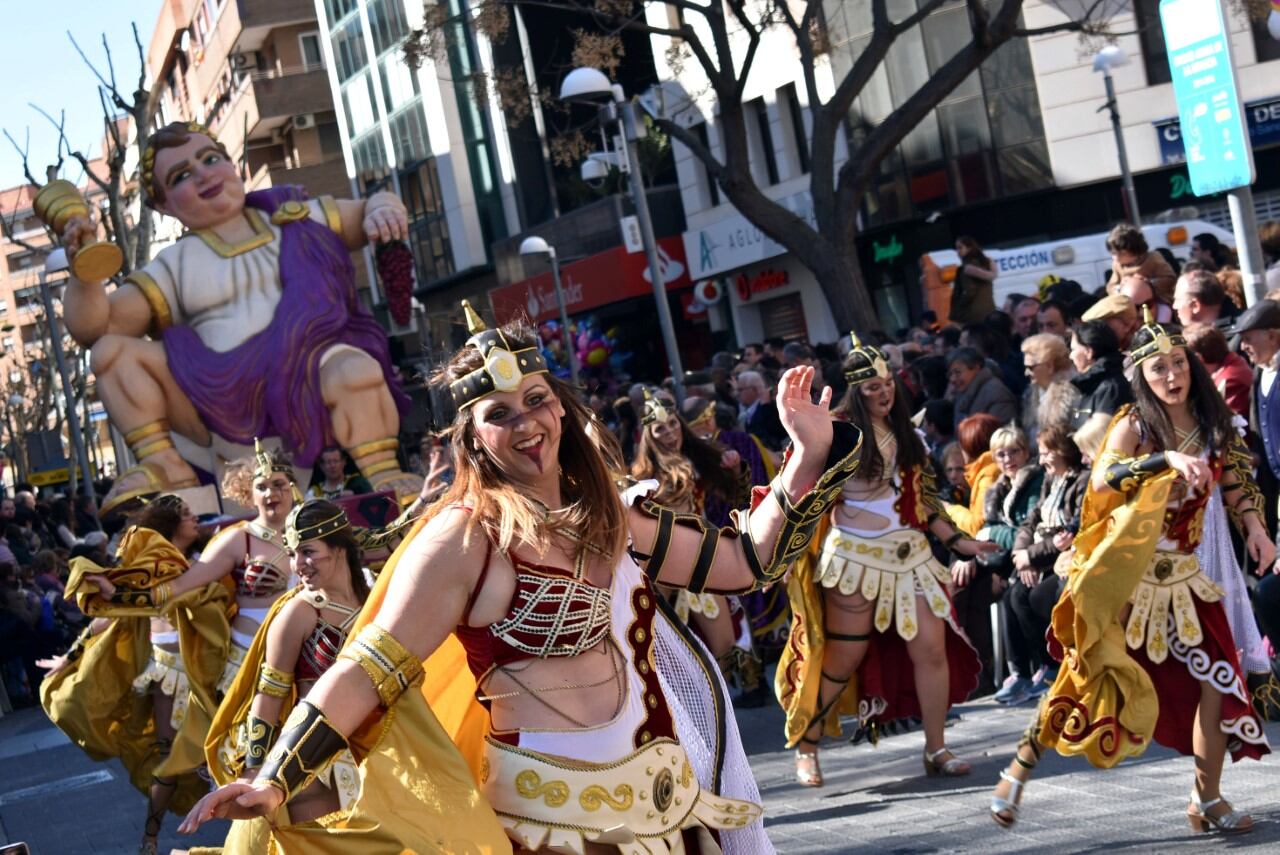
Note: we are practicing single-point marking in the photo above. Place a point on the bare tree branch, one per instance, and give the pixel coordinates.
(22, 152)
(109, 86)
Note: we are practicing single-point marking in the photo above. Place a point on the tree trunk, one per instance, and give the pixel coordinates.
(839, 276)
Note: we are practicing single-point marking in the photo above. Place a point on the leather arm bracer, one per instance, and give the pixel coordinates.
(1244, 488)
(1124, 475)
(766, 563)
(260, 735)
(307, 745)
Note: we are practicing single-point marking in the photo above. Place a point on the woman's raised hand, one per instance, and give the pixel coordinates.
(808, 424)
(237, 800)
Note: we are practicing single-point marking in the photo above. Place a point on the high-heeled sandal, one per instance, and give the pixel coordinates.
(1005, 811)
(953, 768)
(808, 772)
(1002, 806)
(1231, 822)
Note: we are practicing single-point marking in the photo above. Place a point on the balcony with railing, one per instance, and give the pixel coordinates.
(263, 101)
(259, 17)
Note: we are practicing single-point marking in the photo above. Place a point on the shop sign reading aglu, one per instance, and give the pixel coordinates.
(735, 242)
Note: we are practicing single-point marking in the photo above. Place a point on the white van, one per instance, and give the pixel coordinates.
(1085, 259)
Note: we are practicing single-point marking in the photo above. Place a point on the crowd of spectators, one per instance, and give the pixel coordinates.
(39, 535)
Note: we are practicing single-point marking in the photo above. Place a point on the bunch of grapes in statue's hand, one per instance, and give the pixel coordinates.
(395, 269)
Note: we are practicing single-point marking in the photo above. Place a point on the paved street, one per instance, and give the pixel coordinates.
(875, 801)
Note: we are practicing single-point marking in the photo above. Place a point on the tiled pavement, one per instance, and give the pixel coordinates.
(875, 801)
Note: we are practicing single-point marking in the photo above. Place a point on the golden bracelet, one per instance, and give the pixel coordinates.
(389, 665)
(274, 682)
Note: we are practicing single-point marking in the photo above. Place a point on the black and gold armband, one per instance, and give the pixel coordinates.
(76, 650)
(1126, 474)
(801, 517)
(145, 598)
(307, 745)
(260, 735)
(1243, 489)
(667, 521)
(387, 662)
(799, 521)
(274, 682)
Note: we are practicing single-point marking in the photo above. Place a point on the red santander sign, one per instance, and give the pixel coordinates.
(595, 281)
(765, 280)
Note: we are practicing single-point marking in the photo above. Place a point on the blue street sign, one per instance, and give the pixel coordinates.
(1219, 156)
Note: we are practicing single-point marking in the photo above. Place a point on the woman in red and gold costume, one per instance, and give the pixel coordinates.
(872, 603)
(1145, 646)
(701, 477)
(603, 728)
(299, 641)
(251, 554)
(139, 684)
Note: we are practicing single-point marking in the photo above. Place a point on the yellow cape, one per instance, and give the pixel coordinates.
(799, 676)
(1103, 705)
(418, 794)
(93, 701)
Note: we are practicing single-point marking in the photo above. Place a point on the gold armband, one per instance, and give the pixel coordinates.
(274, 683)
(391, 667)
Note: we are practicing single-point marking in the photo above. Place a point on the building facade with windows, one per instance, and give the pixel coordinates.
(1018, 153)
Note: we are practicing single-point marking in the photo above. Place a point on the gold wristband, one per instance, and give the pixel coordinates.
(391, 667)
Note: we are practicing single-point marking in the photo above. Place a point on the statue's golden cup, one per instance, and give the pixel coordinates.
(55, 205)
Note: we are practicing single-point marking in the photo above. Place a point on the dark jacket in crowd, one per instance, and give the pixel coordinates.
(1037, 538)
(986, 394)
(1103, 389)
(767, 426)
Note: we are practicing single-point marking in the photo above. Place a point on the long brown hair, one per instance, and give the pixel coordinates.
(678, 472)
(911, 451)
(589, 458)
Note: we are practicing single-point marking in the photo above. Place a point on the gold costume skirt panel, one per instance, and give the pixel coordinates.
(641, 803)
(888, 570)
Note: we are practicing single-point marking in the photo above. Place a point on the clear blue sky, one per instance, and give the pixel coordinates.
(43, 68)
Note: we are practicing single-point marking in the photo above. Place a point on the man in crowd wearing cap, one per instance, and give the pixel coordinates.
(1119, 313)
(1198, 299)
(1259, 331)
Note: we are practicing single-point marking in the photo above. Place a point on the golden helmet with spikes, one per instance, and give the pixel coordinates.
(265, 462)
(655, 409)
(503, 369)
(1152, 339)
(864, 362)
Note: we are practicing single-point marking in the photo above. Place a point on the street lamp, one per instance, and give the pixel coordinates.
(1104, 60)
(590, 86)
(55, 262)
(534, 245)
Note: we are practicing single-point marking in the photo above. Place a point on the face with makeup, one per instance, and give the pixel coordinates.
(668, 433)
(201, 187)
(273, 496)
(520, 430)
(319, 565)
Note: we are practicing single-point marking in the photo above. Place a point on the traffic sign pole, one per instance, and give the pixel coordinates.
(1212, 121)
(1244, 223)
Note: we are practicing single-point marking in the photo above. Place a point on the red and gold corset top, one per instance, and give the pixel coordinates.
(320, 649)
(257, 577)
(551, 614)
